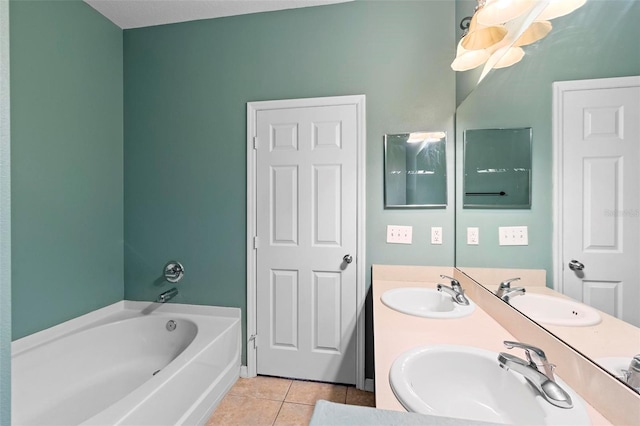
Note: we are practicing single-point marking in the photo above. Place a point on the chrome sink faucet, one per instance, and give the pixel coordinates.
(542, 381)
(505, 292)
(632, 374)
(455, 291)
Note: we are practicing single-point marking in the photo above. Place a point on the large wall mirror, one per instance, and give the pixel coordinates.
(599, 40)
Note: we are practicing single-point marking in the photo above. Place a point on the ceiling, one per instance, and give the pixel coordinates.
(144, 13)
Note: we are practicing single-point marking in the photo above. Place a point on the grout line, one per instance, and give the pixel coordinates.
(275, 419)
(288, 390)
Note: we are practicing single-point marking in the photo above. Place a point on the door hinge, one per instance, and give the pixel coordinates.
(255, 142)
(254, 339)
(256, 242)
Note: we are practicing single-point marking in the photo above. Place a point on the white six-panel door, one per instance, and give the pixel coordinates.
(600, 138)
(306, 223)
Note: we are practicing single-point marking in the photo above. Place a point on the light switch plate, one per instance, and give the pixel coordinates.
(513, 235)
(397, 234)
(473, 236)
(436, 235)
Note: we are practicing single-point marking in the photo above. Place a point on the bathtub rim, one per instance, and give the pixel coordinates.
(127, 308)
(118, 413)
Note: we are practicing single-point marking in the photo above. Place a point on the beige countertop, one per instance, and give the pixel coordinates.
(395, 333)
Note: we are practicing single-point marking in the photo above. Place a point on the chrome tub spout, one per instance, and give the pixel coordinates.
(168, 295)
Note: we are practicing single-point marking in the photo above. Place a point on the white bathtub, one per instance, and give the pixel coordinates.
(120, 365)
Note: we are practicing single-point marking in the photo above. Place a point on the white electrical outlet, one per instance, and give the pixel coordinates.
(513, 235)
(399, 234)
(436, 235)
(473, 236)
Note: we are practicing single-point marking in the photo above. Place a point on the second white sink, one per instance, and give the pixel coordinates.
(425, 302)
(468, 383)
(555, 310)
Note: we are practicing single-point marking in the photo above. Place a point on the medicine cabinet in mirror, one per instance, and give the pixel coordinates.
(497, 168)
(415, 168)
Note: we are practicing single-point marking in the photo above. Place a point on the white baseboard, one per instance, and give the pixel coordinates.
(244, 371)
(369, 385)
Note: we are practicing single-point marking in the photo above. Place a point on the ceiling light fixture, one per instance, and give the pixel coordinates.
(498, 29)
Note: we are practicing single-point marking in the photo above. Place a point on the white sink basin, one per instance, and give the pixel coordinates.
(555, 310)
(425, 302)
(468, 383)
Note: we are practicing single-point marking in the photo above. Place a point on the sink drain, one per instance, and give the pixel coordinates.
(171, 325)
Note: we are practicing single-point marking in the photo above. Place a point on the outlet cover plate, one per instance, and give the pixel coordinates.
(397, 234)
(436, 235)
(473, 236)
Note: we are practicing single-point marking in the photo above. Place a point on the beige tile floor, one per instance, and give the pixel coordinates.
(274, 401)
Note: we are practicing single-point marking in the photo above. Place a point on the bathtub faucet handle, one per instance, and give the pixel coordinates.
(173, 271)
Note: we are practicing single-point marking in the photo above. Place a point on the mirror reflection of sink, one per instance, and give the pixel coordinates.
(468, 383)
(615, 365)
(555, 310)
(425, 302)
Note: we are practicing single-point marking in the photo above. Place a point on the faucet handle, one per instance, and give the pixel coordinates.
(454, 282)
(632, 374)
(507, 283)
(535, 356)
(173, 271)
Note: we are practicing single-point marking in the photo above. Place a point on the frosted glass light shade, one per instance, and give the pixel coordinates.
(469, 59)
(482, 36)
(513, 56)
(500, 11)
(559, 8)
(536, 31)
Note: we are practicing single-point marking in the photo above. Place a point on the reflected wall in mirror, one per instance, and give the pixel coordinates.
(599, 40)
(497, 168)
(415, 167)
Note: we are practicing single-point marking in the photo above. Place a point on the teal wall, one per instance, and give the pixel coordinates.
(5, 221)
(186, 89)
(67, 162)
(596, 41)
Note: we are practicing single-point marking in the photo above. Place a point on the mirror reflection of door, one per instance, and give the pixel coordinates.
(599, 134)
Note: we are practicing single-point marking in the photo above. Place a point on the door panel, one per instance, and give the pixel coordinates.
(601, 207)
(284, 205)
(306, 202)
(327, 325)
(284, 309)
(327, 205)
(604, 295)
(602, 192)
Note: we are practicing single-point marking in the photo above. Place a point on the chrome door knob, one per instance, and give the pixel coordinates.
(574, 265)
(347, 258)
